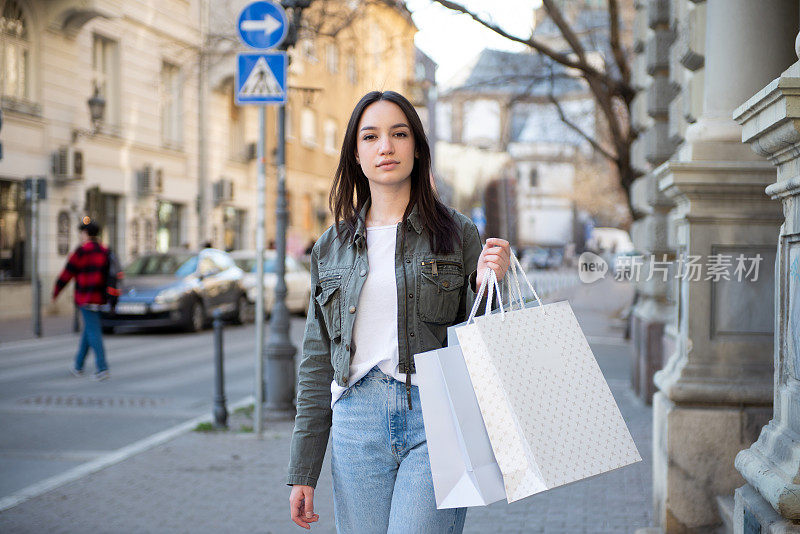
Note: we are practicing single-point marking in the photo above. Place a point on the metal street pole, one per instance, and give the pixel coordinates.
(35, 284)
(262, 189)
(280, 351)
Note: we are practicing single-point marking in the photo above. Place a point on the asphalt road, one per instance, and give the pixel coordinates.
(52, 421)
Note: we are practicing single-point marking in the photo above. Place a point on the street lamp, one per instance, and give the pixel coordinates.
(97, 109)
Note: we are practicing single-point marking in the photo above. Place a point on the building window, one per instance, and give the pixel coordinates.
(105, 63)
(330, 136)
(378, 45)
(332, 57)
(352, 72)
(168, 234)
(171, 105)
(444, 121)
(289, 121)
(309, 50)
(308, 127)
(233, 228)
(13, 232)
(104, 209)
(482, 122)
(134, 238)
(15, 47)
(236, 124)
(308, 212)
(533, 178)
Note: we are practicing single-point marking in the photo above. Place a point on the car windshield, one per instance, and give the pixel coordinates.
(248, 265)
(179, 265)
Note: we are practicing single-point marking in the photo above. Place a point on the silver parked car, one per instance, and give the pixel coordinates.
(178, 288)
(298, 280)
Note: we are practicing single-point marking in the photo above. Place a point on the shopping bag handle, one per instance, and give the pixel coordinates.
(492, 283)
(516, 268)
(489, 280)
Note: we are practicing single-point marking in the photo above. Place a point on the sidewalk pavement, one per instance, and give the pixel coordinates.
(231, 482)
(19, 329)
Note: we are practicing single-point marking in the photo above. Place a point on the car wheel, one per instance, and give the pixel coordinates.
(196, 319)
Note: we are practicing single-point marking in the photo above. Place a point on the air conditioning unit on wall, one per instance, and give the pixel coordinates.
(149, 181)
(223, 191)
(66, 163)
(251, 152)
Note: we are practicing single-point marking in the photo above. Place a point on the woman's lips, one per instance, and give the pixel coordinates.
(388, 166)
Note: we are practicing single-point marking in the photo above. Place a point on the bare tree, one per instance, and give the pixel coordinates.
(609, 84)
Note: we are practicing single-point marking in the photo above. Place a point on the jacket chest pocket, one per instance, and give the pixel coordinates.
(439, 288)
(328, 295)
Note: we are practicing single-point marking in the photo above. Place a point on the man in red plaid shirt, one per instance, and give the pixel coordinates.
(89, 266)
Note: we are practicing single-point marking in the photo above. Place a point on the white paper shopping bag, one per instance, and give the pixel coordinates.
(463, 466)
(548, 411)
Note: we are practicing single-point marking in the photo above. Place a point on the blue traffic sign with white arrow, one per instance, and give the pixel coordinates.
(262, 24)
(261, 78)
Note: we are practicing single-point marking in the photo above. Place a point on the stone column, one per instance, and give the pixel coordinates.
(716, 388)
(771, 498)
(649, 232)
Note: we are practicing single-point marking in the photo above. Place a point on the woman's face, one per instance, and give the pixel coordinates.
(385, 144)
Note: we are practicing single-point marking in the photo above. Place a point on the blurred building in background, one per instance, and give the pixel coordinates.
(172, 160)
(724, 349)
(503, 144)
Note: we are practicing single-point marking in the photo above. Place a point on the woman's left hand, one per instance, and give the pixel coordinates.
(496, 255)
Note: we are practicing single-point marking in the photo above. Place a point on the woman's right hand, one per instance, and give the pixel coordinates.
(301, 505)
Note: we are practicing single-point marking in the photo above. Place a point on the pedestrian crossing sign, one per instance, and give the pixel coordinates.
(261, 78)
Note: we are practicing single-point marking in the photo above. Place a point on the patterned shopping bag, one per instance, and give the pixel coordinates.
(549, 414)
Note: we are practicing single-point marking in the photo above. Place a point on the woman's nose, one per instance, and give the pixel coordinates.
(386, 146)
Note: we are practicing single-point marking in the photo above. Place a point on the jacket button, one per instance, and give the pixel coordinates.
(411, 334)
(347, 348)
(445, 284)
(363, 272)
(344, 380)
(411, 295)
(352, 309)
(408, 261)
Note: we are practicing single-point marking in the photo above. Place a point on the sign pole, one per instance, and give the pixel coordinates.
(35, 282)
(261, 209)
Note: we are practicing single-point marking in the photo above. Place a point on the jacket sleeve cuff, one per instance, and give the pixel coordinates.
(301, 480)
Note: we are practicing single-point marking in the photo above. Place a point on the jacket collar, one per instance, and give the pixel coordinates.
(414, 220)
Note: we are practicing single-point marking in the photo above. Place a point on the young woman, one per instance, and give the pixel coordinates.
(394, 271)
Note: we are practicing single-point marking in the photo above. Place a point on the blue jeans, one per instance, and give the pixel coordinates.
(381, 472)
(92, 337)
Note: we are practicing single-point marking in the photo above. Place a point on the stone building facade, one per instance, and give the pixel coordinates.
(704, 345)
(173, 162)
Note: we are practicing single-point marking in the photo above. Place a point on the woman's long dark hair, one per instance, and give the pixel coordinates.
(350, 181)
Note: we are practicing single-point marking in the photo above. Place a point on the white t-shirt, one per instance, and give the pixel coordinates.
(375, 328)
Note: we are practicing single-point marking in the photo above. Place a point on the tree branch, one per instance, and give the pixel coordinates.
(531, 42)
(614, 41)
(569, 35)
(579, 131)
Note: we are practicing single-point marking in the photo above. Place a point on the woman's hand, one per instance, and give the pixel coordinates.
(496, 255)
(301, 505)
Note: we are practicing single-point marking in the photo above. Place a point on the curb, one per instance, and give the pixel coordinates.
(112, 458)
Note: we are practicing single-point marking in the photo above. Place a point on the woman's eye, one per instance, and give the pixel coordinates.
(369, 137)
(402, 134)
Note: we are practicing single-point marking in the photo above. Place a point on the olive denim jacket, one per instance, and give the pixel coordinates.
(434, 291)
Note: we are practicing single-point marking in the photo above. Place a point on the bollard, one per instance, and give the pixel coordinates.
(220, 411)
